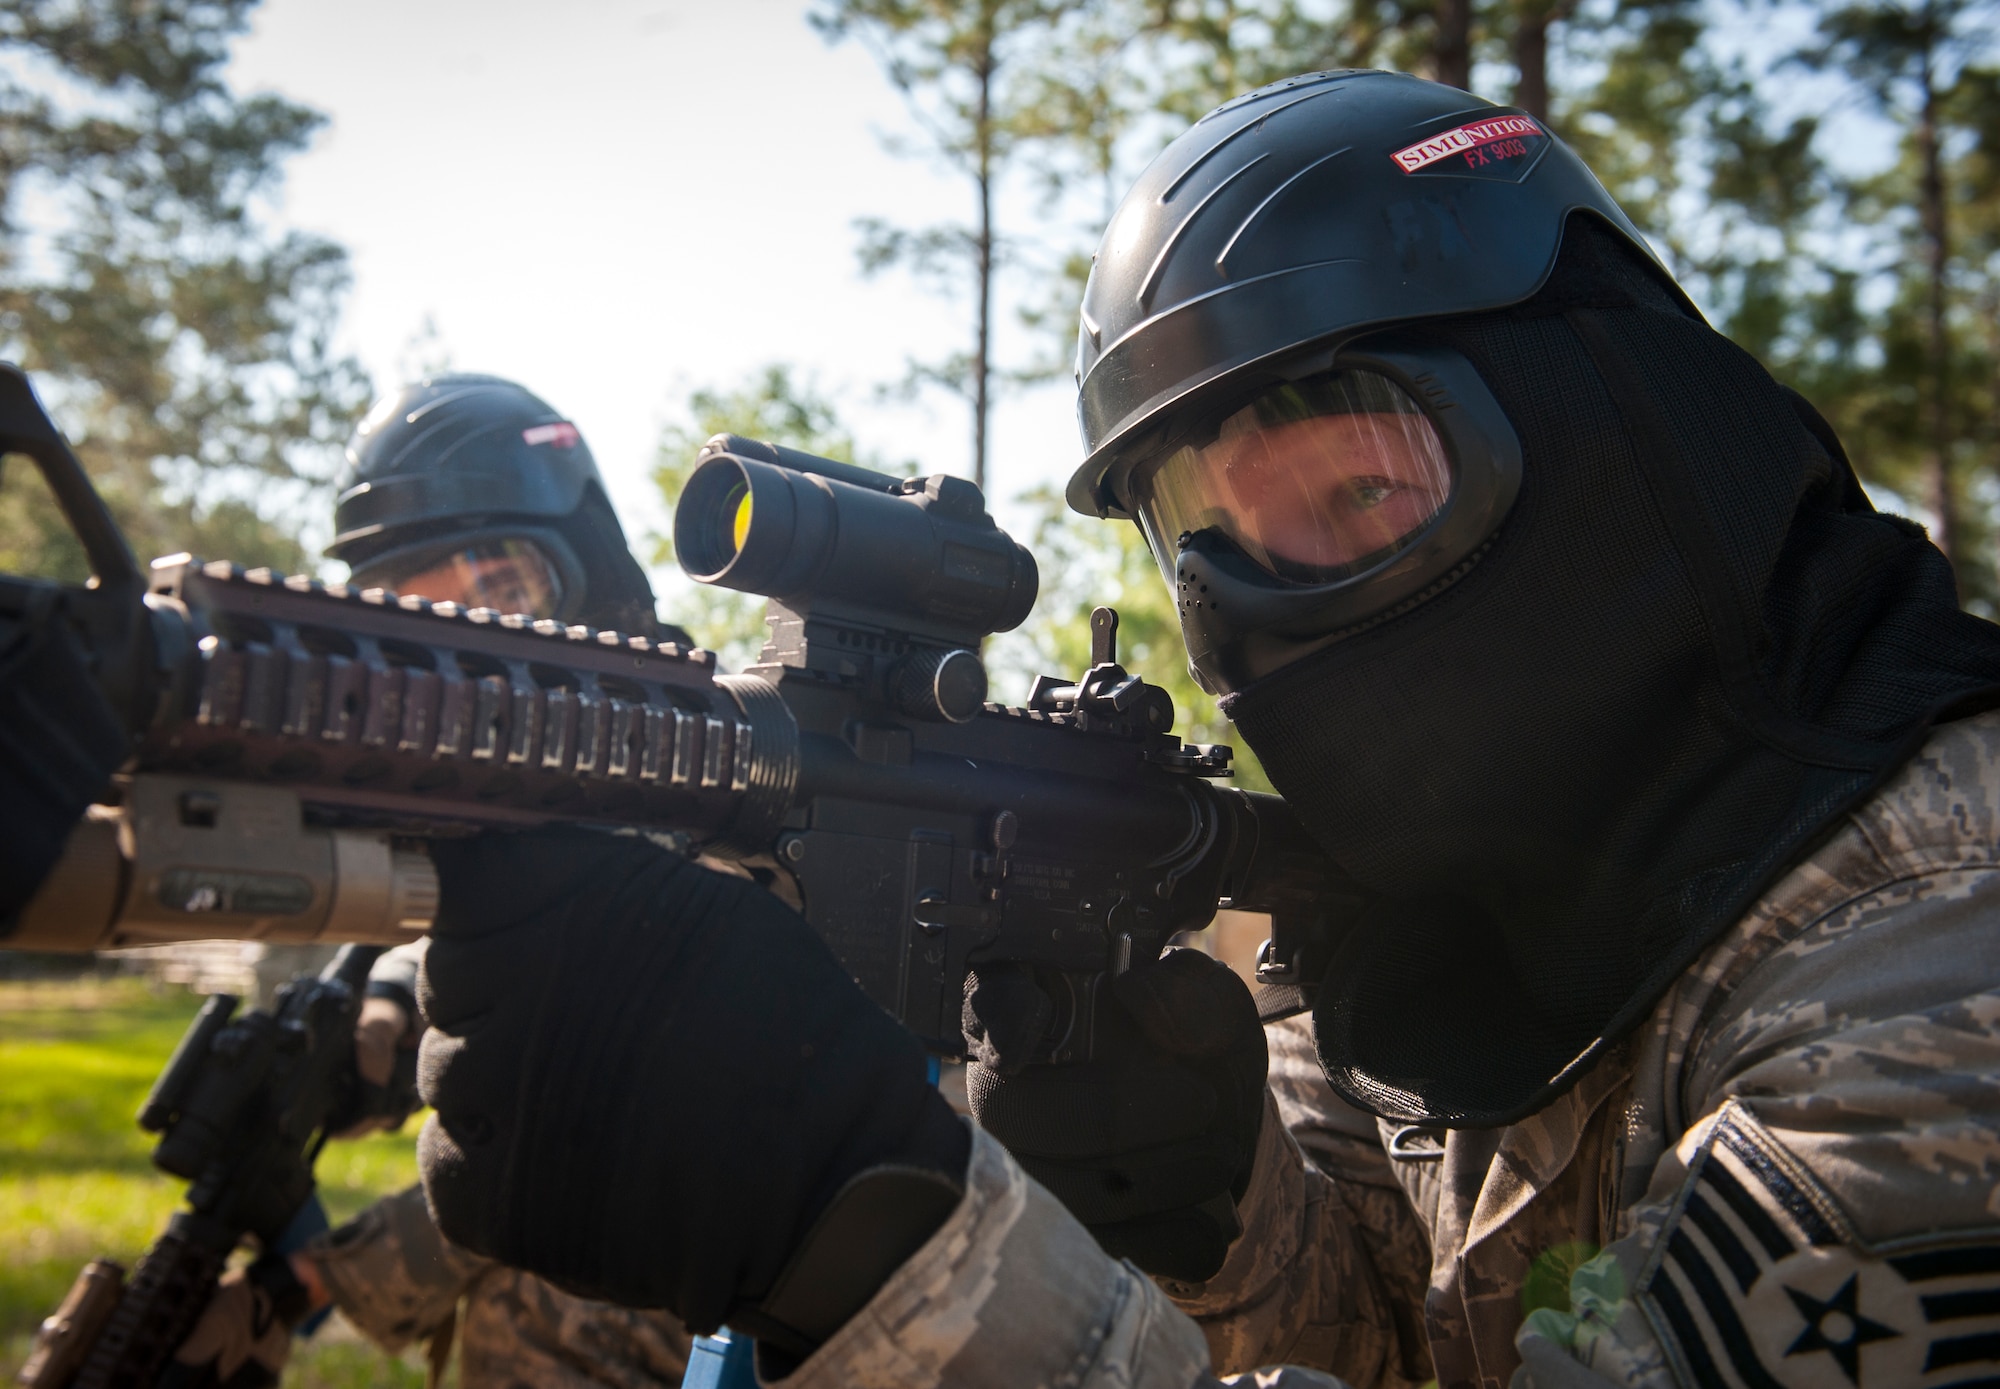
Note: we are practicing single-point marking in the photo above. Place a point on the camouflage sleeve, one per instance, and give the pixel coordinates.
(1831, 1214)
(1331, 1268)
(391, 1273)
(1013, 1291)
(520, 1330)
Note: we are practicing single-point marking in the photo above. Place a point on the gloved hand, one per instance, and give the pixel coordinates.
(1150, 1143)
(651, 1079)
(244, 1335)
(60, 741)
(385, 1058)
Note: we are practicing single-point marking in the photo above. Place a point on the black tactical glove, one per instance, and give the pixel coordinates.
(651, 1079)
(1151, 1142)
(59, 744)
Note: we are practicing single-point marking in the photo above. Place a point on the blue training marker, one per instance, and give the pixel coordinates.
(721, 1361)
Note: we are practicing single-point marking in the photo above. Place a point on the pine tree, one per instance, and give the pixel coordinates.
(1906, 61)
(184, 347)
(965, 69)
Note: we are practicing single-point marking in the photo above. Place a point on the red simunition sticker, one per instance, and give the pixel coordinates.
(563, 435)
(1467, 138)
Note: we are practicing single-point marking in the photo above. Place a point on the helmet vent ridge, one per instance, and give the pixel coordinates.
(1160, 261)
(1221, 261)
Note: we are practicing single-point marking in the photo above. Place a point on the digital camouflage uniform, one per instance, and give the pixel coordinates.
(394, 1276)
(1792, 1173)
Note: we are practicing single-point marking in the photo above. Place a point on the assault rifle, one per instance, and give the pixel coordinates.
(242, 1110)
(293, 742)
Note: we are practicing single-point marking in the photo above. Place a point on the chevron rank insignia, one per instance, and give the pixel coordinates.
(1759, 1282)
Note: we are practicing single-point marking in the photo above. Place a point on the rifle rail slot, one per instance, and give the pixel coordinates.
(661, 736)
(627, 731)
(713, 765)
(346, 682)
(524, 721)
(458, 700)
(686, 747)
(224, 674)
(489, 711)
(593, 732)
(305, 686)
(382, 715)
(263, 688)
(558, 728)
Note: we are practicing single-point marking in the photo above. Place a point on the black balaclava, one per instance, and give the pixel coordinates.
(1691, 647)
(616, 593)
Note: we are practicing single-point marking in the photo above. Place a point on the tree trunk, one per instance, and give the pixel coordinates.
(983, 328)
(1451, 53)
(1531, 59)
(1232, 84)
(1936, 247)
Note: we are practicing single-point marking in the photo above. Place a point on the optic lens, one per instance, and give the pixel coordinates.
(1315, 480)
(738, 502)
(714, 516)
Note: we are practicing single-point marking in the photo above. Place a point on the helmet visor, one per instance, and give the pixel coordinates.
(510, 575)
(1315, 480)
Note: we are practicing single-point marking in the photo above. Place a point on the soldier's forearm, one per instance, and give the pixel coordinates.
(391, 1273)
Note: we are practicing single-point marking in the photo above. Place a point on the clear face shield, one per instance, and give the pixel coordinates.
(509, 574)
(1287, 518)
(1314, 481)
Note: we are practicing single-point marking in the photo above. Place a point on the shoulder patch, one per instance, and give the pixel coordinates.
(1759, 1282)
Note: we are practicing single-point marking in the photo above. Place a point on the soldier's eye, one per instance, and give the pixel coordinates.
(1370, 492)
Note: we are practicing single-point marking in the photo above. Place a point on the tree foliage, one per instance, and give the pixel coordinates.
(1873, 286)
(185, 348)
(1831, 199)
(967, 72)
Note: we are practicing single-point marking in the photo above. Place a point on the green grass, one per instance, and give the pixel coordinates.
(76, 1059)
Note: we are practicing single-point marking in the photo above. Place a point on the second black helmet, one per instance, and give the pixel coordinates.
(481, 471)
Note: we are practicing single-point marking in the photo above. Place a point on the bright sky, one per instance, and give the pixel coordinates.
(615, 201)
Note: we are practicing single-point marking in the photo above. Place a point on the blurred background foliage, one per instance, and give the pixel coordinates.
(186, 347)
(1823, 176)
(76, 1180)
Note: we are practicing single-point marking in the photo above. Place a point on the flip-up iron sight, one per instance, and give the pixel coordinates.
(855, 561)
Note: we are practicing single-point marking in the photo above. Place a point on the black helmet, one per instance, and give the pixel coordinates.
(476, 466)
(1244, 283)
